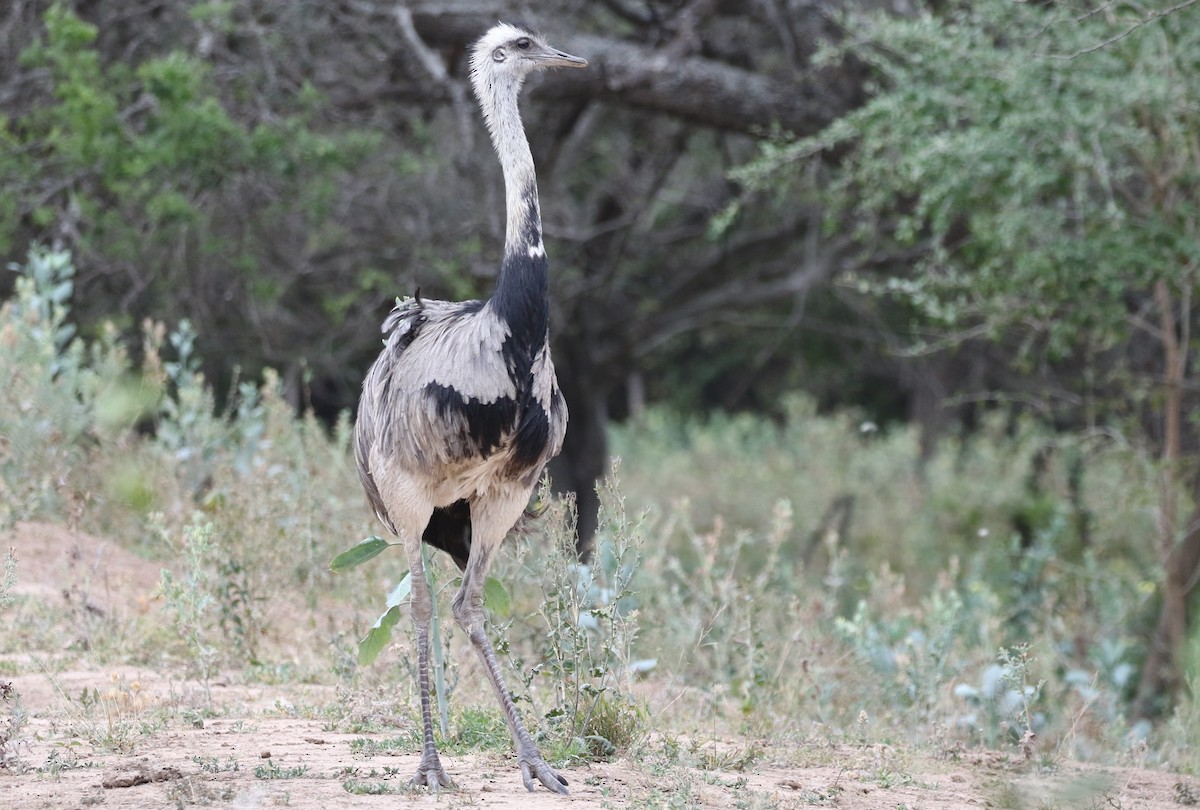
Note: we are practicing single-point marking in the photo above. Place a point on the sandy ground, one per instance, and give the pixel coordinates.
(270, 746)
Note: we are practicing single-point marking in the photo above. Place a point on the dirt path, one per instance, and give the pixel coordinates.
(258, 755)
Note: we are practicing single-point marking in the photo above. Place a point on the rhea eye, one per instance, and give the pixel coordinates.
(523, 43)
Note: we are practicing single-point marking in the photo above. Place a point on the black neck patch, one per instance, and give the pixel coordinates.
(521, 301)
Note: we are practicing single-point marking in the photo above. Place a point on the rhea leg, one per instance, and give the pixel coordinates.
(490, 526)
(430, 772)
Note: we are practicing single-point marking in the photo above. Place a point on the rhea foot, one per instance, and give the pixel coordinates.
(430, 774)
(532, 765)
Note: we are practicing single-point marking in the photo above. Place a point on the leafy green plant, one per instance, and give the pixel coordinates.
(360, 787)
(273, 770)
(114, 717)
(915, 653)
(589, 616)
(12, 722)
(9, 580)
(142, 162)
(44, 413)
(477, 730)
(1180, 741)
(210, 764)
(1003, 702)
(380, 633)
(190, 600)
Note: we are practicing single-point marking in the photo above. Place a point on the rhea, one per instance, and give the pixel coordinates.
(461, 411)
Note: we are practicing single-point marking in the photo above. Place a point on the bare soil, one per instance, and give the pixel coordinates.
(269, 745)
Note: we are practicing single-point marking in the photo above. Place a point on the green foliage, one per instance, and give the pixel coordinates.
(380, 634)
(585, 626)
(9, 579)
(46, 406)
(72, 446)
(1181, 738)
(149, 168)
(13, 715)
(1040, 162)
(359, 787)
(12, 724)
(215, 765)
(1042, 186)
(366, 549)
(478, 730)
(114, 718)
(190, 599)
(273, 770)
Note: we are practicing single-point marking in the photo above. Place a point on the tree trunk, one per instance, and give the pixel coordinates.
(584, 457)
(1162, 670)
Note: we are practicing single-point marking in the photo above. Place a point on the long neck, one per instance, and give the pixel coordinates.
(521, 291)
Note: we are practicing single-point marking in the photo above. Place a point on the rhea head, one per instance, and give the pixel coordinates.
(511, 51)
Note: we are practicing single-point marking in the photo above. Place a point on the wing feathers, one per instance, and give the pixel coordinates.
(453, 388)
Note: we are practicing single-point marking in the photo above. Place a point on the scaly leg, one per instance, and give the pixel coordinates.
(468, 612)
(430, 772)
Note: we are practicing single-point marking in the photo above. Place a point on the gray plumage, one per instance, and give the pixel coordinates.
(461, 411)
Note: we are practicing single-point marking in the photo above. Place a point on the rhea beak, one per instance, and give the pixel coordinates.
(555, 58)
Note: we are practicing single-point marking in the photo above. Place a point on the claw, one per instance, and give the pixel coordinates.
(549, 777)
(430, 774)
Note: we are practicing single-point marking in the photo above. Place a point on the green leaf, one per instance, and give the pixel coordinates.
(401, 591)
(366, 549)
(496, 598)
(381, 632)
(378, 637)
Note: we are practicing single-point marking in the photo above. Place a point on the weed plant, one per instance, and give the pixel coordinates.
(44, 413)
(115, 718)
(189, 601)
(587, 624)
(9, 578)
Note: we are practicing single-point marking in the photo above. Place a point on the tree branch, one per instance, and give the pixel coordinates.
(1152, 16)
(697, 89)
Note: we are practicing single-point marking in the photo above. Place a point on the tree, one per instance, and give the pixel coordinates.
(1044, 160)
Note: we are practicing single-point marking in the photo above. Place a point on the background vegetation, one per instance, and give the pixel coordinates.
(894, 311)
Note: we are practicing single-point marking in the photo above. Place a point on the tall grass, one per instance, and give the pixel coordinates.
(812, 573)
(807, 578)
